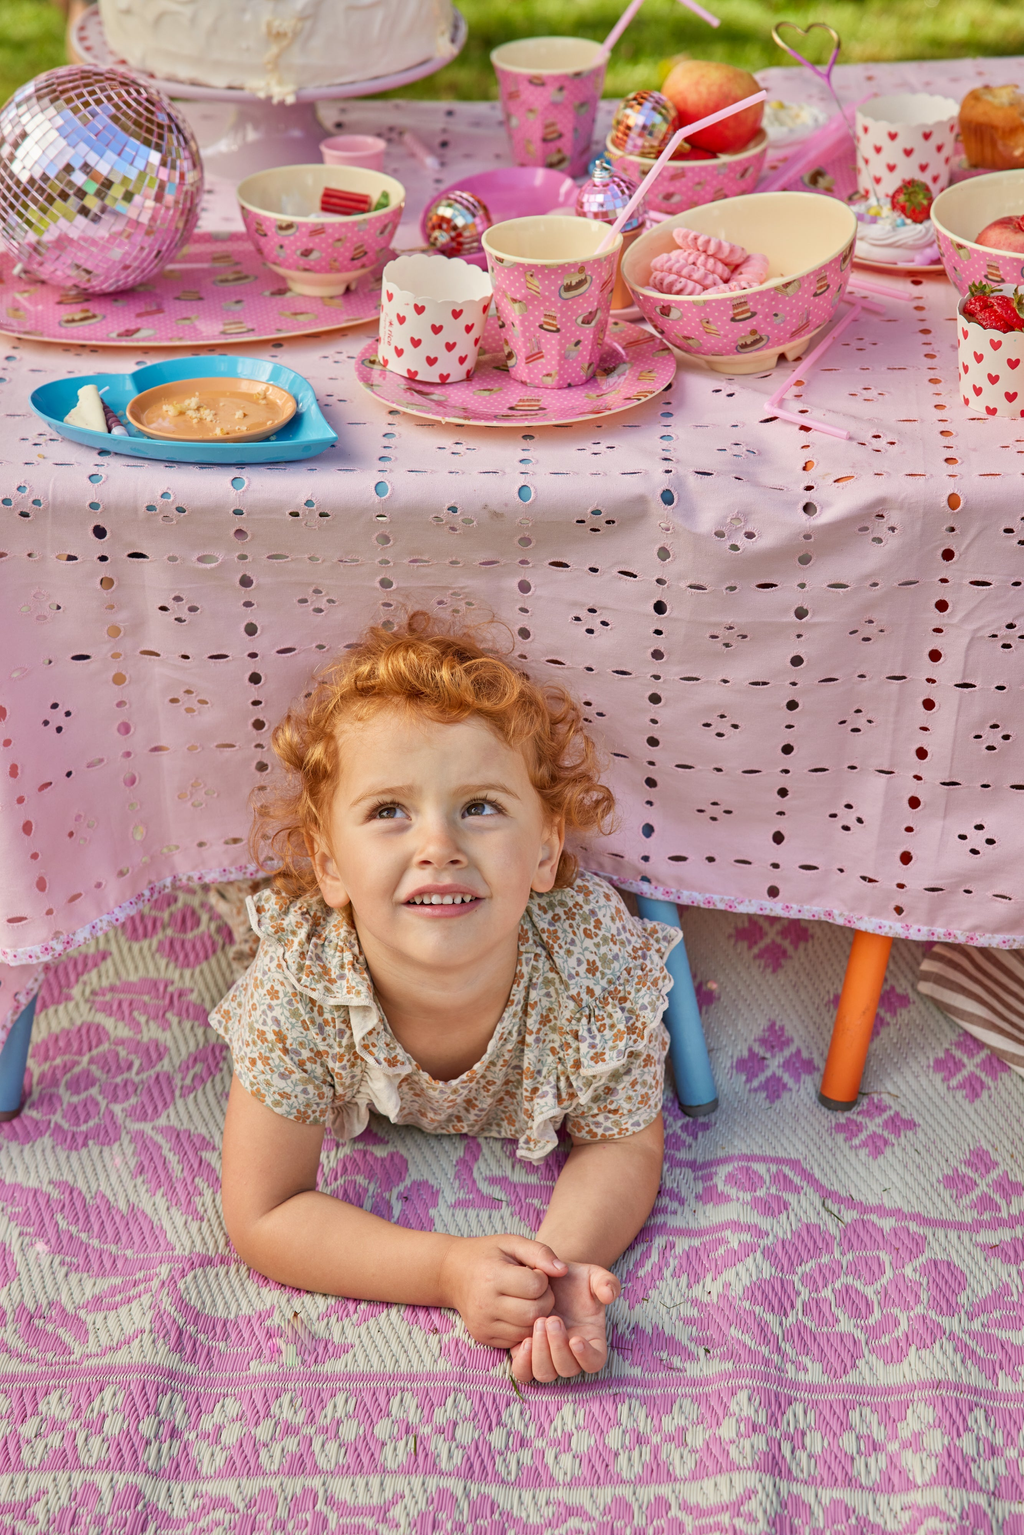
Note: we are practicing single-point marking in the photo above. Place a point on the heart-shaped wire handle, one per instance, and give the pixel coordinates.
(824, 74)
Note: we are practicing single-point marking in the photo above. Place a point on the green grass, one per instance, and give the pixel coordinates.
(31, 35)
(31, 40)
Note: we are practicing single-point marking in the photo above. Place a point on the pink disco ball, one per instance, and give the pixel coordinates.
(101, 180)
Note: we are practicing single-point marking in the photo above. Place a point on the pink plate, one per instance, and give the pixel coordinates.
(215, 290)
(512, 192)
(903, 269)
(634, 366)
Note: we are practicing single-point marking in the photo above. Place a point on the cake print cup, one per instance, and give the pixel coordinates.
(903, 136)
(432, 314)
(550, 88)
(552, 296)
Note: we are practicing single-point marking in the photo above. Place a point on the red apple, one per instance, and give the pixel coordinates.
(698, 87)
(1006, 234)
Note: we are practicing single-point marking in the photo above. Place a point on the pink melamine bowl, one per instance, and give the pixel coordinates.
(960, 213)
(687, 184)
(315, 253)
(809, 242)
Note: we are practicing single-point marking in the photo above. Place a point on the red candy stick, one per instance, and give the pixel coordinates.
(335, 200)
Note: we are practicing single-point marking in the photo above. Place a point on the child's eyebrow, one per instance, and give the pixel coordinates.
(461, 791)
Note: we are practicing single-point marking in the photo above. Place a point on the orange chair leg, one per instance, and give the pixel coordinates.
(855, 1018)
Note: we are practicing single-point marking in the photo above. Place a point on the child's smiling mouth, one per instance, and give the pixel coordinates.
(443, 901)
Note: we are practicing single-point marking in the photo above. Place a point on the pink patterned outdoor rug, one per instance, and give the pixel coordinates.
(822, 1325)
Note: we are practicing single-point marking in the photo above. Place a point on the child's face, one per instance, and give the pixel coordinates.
(423, 810)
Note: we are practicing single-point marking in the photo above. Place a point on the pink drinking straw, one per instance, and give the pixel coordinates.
(666, 154)
(631, 10)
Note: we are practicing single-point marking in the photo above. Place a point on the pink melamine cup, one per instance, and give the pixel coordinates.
(363, 149)
(552, 296)
(550, 88)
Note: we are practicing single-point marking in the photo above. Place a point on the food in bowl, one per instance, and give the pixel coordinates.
(807, 242)
(992, 127)
(698, 87)
(703, 264)
(320, 252)
(1005, 234)
(965, 211)
(897, 229)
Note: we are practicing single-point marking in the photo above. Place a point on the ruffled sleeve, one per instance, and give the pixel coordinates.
(287, 1020)
(599, 1066)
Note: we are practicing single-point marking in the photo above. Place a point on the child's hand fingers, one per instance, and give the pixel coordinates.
(591, 1356)
(604, 1286)
(534, 1255)
(522, 1314)
(523, 1283)
(562, 1357)
(543, 1365)
(522, 1360)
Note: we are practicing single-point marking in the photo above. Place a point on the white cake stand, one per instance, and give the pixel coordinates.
(254, 134)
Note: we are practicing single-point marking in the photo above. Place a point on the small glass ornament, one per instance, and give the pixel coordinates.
(101, 180)
(456, 222)
(603, 197)
(643, 124)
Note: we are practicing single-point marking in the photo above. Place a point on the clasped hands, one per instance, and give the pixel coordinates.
(514, 1293)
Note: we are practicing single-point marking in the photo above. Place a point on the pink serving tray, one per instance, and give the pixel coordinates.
(512, 192)
(634, 366)
(217, 289)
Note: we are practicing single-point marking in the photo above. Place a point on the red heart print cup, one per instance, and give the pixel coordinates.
(550, 88)
(908, 136)
(552, 296)
(432, 313)
(991, 365)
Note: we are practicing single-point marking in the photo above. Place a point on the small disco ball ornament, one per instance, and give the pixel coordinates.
(605, 195)
(456, 222)
(101, 180)
(643, 124)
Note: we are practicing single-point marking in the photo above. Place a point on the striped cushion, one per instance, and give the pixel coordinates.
(983, 991)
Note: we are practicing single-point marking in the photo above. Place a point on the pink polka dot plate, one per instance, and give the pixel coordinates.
(216, 290)
(634, 365)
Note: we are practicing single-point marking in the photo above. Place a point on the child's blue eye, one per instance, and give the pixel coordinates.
(481, 807)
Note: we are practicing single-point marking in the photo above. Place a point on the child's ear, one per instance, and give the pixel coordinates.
(550, 853)
(327, 876)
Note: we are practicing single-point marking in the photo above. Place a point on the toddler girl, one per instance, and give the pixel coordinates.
(429, 951)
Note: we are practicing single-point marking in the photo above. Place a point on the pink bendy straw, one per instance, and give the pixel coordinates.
(666, 155)
(631, 10)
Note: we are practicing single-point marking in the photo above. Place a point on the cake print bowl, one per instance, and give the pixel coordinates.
(319, 254)
(960, 213)
(685, 184)
(808, 241)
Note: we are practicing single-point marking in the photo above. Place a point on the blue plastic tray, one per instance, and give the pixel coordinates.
(305, 435)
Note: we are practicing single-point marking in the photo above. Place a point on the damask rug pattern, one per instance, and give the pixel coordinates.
(821, 1327)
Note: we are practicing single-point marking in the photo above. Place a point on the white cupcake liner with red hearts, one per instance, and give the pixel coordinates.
(432, 317)
(991, 368)
(905, 136)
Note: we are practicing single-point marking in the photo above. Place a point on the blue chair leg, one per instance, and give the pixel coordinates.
(13, 1059)
(695, 1085)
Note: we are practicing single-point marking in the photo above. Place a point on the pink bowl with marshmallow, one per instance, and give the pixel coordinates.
(687, 184)
(808, 241)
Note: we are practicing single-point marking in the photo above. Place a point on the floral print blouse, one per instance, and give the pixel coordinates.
(581, 1039)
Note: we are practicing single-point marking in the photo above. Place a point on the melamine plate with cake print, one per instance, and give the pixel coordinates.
(215, 290)
(634, 366)
(899, 268)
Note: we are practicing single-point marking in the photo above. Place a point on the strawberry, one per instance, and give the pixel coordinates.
(912, 200)
(995, 311)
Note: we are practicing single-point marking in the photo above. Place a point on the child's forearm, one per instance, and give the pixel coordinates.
(604, 1193)
(316, 1242)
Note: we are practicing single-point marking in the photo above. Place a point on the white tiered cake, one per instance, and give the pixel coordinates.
(274, 48)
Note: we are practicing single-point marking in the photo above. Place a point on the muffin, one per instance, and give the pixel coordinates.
(992, 127)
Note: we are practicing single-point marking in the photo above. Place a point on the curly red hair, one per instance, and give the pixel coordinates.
(451, 675)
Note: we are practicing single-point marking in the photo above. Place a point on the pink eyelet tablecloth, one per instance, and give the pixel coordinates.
(803, 656)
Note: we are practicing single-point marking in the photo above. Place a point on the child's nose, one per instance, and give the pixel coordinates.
(439, 844)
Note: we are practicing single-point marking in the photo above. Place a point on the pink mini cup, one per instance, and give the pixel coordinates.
(552, 296)
(906, 136)
(363, 149)
(550, 88)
